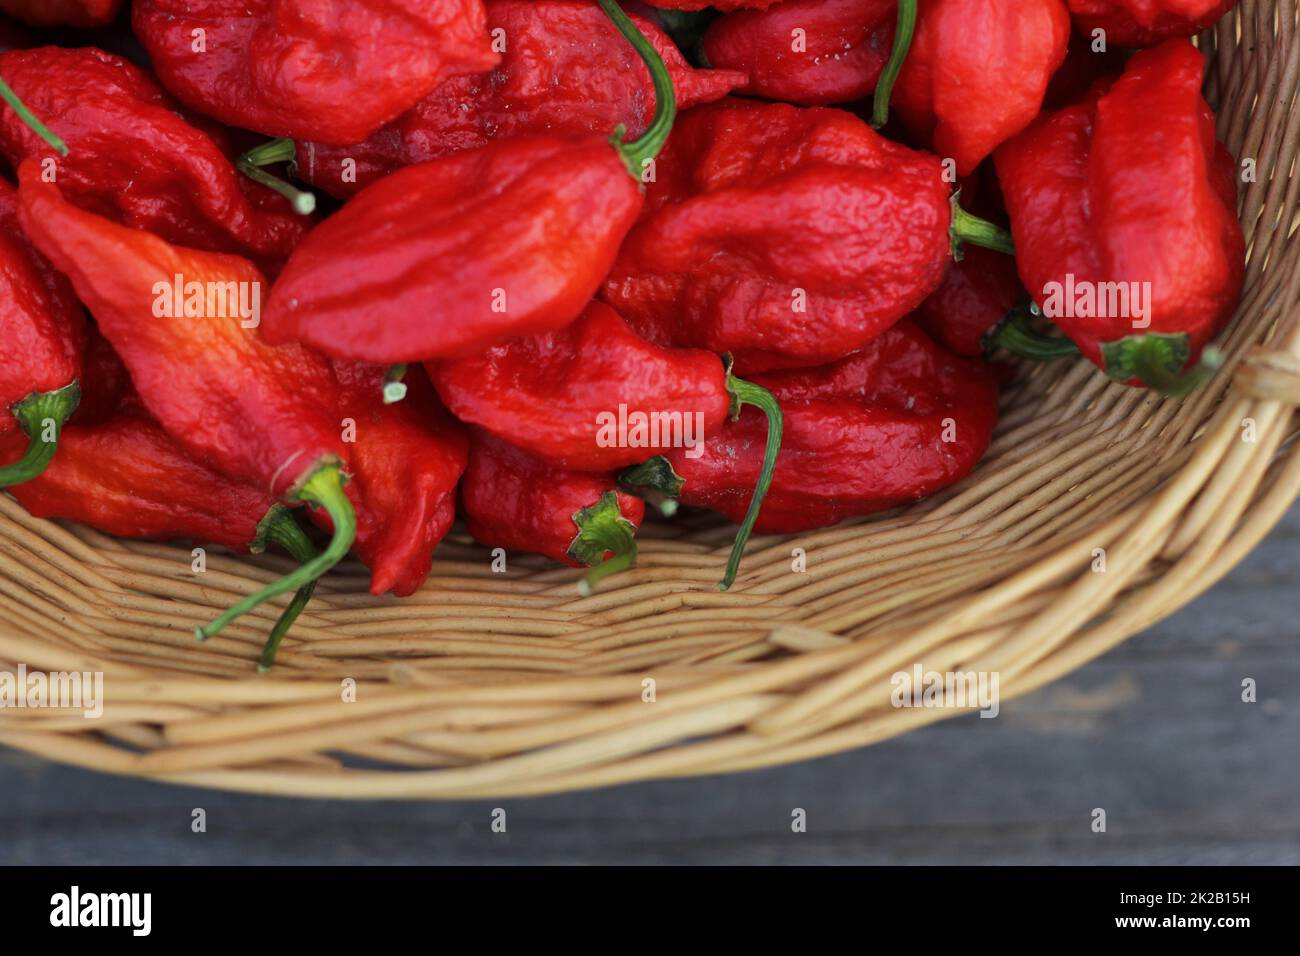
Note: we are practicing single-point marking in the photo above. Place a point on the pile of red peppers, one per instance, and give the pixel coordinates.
(328, 276)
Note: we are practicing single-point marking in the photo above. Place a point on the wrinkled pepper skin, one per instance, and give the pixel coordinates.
(977, 72)
(565, 70)
(974, 296)
(62, 13)
(264, 415)
(406, 459)
(42, 326)
(1145, 23)
(333, 72)
(106, 387)
(751, 211)
(547, 393)
(521, 503)
(725, 6)
(428, 263)
(134, 159)
(845, 46)
(862, 435)
(126, 477)
(1130, 186)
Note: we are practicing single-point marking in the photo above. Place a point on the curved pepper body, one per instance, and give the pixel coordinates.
(42, 327)
(406, 459)
(565, 70)
(974, 296)
(515, 501)
(333, 72)
(893, 423)
(127, 477)
(788, 237)
(836, 58)
(62, 13)
(134, 159)
(977, 72)
(1144, 23)
(1124, 188)
(106, 387)
(447, 257)
(562, 395)
(261, 414)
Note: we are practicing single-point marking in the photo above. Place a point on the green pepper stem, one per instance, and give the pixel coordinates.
(652, 141)
(979, 232)
(620, 561)
(747, 393)
(1152, 372)
(1014, 334)
(27, 116)
(903, 33)
(602, 529)
(279, 527)
(277, 151)
(324, 488)
(32, 414)
(394, 387)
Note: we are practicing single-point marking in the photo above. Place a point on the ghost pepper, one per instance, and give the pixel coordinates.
(42, 329)
(447, 257)
(812, 52)
(133, 158)
(333, 72)
(1144, 23)
(515, 501)
(183, 322)
(406, 458)
(888, 425)
(977, 72)
(565, 69)
(787, 237)
(1123, 208)
(126, 477)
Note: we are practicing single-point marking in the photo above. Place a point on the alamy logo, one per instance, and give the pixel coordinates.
(179, 299)
(660, 430)
(72, 690)
(74, 908)
(964, 689)
(1076, 299)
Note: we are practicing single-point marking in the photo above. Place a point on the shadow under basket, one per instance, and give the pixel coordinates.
(1099, 510)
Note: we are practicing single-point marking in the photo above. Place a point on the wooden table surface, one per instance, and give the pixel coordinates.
(1155, 733)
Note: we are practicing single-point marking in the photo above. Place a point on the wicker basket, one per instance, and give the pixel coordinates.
(506, 684)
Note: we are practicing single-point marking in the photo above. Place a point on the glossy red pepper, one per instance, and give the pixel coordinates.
(1123, 208)
(1144, 23)
(975, 295)
(406, 458)
(977, 72)
(65, 13)
(127, 477)
(183, 322)
(742, 247)
(333, 72)
(450, 256)
(813, 52)
(515, 501)
(565, 69)
(42, 339)
(885, 426)
(134, 159)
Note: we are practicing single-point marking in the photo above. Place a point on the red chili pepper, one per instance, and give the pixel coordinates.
(813, 52)
(742, 248)
(69, 13)
(42, 331)
(565, 69)
(133, 158)
(126, 477)
(1123, 189)
(263, 415)
(1143, 23)
(106, 387)
(333, 72)
(975, 295)
(406, 459)
(977, 72)
(447, 257)
(515, 501)
(1082, 68)
(887, 425)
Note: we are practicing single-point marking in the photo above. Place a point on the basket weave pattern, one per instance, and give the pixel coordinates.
(500, 684)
